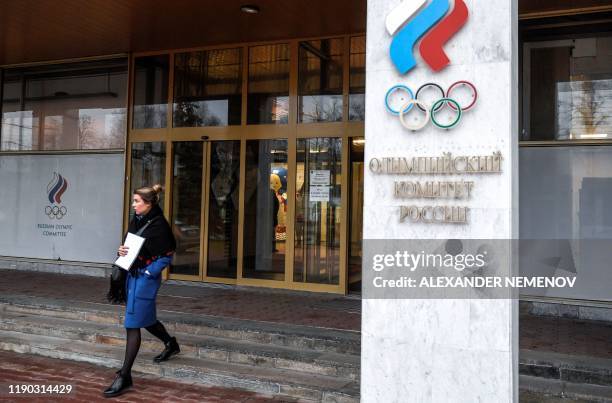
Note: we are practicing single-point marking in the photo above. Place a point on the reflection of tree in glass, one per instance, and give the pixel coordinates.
(279, 109)
(192, 114)
(86, 132)
(323, 109)
(153, 115)
(111, 136)
(589, 108)
(357, 107)
(186, 115)
(118, 129)
(581, 107)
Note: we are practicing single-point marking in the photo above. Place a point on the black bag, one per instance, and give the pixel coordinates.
(116, 291)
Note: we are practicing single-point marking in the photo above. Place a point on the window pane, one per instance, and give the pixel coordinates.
(357, 78)
(318, 211)
(571, 91)
(208, 88)
(148, 166)
(71, 106)
(268, 98)
(187, 206)
(265, 209)
(223, 209)
(320, 81)
(150, 92)
(564, 199)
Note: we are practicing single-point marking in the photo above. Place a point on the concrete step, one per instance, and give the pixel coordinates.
(555, 388)
(194, 346)
(566, 368)
(310, 387)
(278, 334)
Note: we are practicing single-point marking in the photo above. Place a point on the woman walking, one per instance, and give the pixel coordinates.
(143, 281)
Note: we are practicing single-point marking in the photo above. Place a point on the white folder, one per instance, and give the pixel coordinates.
(134, 243)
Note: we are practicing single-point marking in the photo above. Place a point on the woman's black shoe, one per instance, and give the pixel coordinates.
(171, 349)
(120, 385)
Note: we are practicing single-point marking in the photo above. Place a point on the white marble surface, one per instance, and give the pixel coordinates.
(444, 350)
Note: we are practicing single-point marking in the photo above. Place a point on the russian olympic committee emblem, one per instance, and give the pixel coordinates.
(55, 190)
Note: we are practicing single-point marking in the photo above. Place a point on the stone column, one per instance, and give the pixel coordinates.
(443, 350)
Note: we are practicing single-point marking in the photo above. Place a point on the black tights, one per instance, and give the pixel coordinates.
(158, 330)
(132, 344)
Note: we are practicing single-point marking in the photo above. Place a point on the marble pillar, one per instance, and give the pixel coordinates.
(444, 350)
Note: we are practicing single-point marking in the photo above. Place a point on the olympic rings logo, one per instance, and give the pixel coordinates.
(411, 99)
(56, 212)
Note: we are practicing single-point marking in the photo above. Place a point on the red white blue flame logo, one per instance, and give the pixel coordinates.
(56, 188)
(413, 19)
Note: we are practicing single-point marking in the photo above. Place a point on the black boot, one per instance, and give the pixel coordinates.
(120, 385)
(171, 349)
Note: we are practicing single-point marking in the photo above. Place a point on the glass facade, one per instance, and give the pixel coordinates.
(70, 106)
(320, 81)
(568, 91)
(268, 96)
(239, 196)
(253, 197)
(567, 202)
(357, 78)
(564, 159)
(208, 88)
(150, 92)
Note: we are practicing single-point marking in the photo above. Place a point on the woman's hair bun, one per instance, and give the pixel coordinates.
(157, 188)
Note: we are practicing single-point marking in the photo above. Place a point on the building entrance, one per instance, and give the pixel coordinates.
(258, 146)
(258, 211)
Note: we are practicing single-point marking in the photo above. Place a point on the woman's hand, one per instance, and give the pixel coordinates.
(123, 250)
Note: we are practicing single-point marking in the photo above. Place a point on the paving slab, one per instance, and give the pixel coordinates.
(88, 382)
(261, 304)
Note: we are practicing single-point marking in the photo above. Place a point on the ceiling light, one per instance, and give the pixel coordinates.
(249, 9)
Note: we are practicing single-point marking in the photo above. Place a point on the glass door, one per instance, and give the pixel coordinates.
(186, 217)
(265, 210)
(205, 199)
(318, 211)
(222, 208)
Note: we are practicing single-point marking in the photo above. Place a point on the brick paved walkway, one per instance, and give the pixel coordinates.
(566, 336)
(89, 381)
(319, 310)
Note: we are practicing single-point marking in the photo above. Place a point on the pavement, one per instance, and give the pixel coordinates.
(88, 381)
(558, 335)
(566, 336)
(260, 304)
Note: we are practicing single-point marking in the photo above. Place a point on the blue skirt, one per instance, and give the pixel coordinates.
(140, 308)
